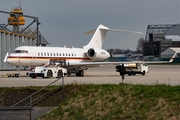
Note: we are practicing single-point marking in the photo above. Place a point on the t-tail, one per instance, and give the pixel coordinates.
(99, 34)
(98, 37)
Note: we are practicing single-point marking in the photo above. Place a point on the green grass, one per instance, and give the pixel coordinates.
(120, 102)
(106, 102)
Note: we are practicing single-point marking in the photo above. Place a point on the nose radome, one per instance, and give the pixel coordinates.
(10, 61)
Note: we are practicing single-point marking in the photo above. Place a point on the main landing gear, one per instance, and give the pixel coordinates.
(80, 73)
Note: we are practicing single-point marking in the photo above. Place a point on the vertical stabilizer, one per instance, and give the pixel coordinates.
(98, 38)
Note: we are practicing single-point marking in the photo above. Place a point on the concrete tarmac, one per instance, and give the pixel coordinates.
(158, 74)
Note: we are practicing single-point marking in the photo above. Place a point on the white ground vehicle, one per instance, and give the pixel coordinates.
(132, 69)
(48, 72)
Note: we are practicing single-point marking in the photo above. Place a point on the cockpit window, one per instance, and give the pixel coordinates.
(24, 51)
(20, 51)
(17, 51)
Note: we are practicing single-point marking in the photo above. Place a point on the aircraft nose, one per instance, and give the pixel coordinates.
(10, 61)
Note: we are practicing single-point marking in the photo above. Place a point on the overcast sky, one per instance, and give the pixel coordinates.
(64, 22)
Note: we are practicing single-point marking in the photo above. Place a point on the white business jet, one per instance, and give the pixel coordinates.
(77, 59)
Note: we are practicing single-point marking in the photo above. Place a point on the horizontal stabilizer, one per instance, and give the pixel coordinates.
(91, 32)
(115, 30)
(101, 27)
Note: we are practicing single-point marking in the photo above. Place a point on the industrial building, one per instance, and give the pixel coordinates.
(159, 38)
(13, 35)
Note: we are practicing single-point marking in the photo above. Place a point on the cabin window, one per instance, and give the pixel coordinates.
(54, 54)
(69, 54)
(51, 54)
(41, 54)
(63, 54)
(20, 51)
(47, 54)
(57, 54)
(38, 54)
(44, 54)
(66, 54)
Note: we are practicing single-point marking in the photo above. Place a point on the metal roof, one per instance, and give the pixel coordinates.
(171, 50)
(168, 53)
(176, 49)
(173, 37)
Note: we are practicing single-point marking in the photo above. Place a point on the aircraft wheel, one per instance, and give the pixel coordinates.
(80, 73)
(77, 74)
(17, 75)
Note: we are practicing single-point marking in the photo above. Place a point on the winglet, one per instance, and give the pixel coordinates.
(172, 59)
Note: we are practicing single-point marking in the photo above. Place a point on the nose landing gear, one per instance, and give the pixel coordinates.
(17, 74)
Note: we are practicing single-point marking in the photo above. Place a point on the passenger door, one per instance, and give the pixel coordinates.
(34, 57)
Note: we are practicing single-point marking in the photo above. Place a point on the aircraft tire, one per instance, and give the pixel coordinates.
(80, 73)
(77, 74)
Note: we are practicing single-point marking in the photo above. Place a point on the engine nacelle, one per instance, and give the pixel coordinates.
(97, 54)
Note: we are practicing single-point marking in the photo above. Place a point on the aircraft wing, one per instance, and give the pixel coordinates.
(93, 64)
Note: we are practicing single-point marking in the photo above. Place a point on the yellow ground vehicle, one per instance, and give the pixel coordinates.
(132, 69)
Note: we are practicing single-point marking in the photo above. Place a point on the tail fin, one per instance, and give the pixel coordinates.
(98, 38)
(99, 34)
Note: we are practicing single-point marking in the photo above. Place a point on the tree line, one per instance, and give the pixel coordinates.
(139, 49)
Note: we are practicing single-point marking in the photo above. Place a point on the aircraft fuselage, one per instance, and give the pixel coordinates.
(36, 56)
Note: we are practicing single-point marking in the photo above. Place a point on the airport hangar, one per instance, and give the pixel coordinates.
(12, 35)
(162, 41)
